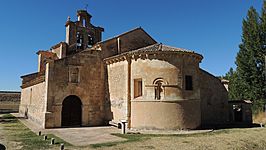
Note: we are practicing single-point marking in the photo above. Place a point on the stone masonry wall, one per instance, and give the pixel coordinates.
(149, 71)
(214, 100)
(170, 115)
(117, 86)
(174, 109)
(177, 108)
(89, 88)
(127, 42)
(33, 103)
(9, 101)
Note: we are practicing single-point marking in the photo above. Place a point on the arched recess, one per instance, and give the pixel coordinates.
(158, 88)
(71, 115)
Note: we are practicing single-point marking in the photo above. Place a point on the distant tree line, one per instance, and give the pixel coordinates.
(248, 81)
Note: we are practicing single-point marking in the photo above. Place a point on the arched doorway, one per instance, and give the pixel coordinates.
(71, 111)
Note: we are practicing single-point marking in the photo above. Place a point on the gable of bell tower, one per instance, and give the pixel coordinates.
(81, 34)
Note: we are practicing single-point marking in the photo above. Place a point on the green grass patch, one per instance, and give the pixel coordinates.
(7, 116)
(26, 139)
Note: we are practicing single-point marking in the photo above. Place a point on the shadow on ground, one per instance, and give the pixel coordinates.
(230, 126)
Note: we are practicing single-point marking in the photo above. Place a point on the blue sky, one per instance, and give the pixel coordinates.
(209, 27)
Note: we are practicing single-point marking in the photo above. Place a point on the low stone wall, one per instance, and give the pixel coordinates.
(9, 101)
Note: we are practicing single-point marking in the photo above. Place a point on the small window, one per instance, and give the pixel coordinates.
(74, 75)
(188, 83)
(137, 88)
(158, 89)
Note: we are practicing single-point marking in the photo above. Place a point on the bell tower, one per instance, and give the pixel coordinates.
(81, 34)
(83, 18)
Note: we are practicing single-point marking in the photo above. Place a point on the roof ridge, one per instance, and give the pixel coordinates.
(127, 32)
(108, 39)
(153, 45)
(162, 47)
(154, 48)
(183, 49)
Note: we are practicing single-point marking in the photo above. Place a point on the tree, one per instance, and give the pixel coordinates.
(248, 81)
(259, 56)
(245, 60)
(262, 53)
(234, 84)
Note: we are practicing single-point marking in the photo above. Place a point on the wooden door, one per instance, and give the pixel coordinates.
(71, 112)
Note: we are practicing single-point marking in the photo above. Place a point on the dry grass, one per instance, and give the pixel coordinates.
(260, 118)
(252, 138)
(20, 137)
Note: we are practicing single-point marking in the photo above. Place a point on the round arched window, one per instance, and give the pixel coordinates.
(158, 88)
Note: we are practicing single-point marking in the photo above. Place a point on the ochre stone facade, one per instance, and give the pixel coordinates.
(213, 95)
(85, 81)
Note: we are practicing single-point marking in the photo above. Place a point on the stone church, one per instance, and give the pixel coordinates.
(87, 81)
